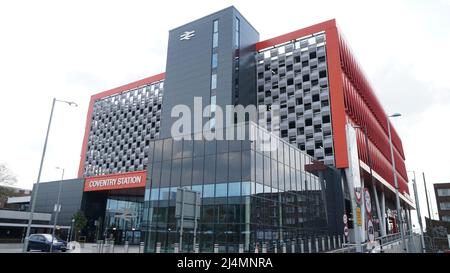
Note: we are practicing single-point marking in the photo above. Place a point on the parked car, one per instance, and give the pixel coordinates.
(43, 242)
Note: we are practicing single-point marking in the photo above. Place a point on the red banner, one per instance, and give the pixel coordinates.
(116, 181)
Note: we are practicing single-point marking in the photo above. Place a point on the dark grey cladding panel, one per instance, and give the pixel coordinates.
(188, 71)
(247, 64)
(71, 196)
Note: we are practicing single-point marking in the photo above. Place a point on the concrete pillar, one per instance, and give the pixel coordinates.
(383, 217)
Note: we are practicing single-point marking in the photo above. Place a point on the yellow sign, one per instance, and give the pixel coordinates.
(358, 216)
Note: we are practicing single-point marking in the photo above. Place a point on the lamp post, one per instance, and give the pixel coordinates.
(419, 216)
(35, 192)
(57, 207)
(397, 196)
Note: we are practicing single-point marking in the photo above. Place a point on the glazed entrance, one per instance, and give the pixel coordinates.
(123, 218)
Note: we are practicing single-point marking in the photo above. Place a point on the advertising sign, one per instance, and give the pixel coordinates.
(116, 181)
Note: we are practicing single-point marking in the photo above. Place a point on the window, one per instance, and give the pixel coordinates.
(236, 33)
(443, 192)
(215, 33)
(214, 81)
(214, 61)
(216, 26)
(444, 205)
(446, 218)
(325, 119)
(213, 104)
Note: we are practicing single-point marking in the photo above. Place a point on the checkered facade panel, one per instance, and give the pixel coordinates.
(294, 76)
(122, 126)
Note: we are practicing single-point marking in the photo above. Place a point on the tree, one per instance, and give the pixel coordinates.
(79, 223)
(7, 179)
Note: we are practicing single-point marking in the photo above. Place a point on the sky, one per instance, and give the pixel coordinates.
(73, 49)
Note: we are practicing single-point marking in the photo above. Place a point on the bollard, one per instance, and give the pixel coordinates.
(216, 248)
(334, 241)
(264, 248)
(323, 243)
(141, 247)
(329, 243)
(256, 248)
(317, 244)
(309, 245)
(158, 247)
(112, 246)
(339, 241)
(275, 248)
(125, 247)
(196, 248)
(302, 247)
(343, 239)
(292, 246)
(106, 247)
(283, 247)
(241, 248)
(99, 246)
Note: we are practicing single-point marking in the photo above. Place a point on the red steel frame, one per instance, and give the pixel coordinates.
(353, 101)
(105, 94)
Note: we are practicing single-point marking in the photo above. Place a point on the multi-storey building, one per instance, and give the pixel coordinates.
(442, 193)
(131, 164)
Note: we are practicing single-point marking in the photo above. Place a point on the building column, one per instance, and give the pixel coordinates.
(377, 204)
(383, 216)
(363, 211)
(356, 229)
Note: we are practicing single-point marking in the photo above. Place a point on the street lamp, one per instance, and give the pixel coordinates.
(397, 197)
(57, 207)
(422, 241)
(35, 192)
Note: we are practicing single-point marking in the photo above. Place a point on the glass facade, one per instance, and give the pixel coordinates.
(248, 195)
(123, 218)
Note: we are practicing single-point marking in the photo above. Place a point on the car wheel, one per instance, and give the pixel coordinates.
(28, 249)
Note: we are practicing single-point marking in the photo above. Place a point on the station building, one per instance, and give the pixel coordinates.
(131, 164)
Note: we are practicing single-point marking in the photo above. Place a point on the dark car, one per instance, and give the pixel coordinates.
(43, 242)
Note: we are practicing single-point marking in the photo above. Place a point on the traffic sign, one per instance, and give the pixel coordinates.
(370, 231)
(345, 219)
(346, 231)
(367, 202)
(358, 195)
